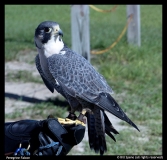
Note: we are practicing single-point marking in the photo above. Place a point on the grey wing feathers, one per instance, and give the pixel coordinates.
(48, 85)
(77, 74)
(107, 102)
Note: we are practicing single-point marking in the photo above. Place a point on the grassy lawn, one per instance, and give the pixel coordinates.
(134, 73)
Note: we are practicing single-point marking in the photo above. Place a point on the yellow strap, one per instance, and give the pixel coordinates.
(69, 121)
(103, 11)
(117, 40)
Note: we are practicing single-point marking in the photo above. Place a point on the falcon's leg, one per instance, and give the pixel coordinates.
(81, 116)
(72, 116)
(80, 119)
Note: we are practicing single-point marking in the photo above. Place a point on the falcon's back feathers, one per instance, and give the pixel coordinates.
(77, 73)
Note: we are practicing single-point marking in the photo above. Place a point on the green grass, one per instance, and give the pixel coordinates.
(134, 73)
(22, 76)
(38, 111)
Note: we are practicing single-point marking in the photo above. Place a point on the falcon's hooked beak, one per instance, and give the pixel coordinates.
(57, 31)
(60, 32)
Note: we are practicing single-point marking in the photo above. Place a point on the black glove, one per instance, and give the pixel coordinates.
(47, 137)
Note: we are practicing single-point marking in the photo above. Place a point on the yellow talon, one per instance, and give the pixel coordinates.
(69, 121)
(79, 122)
(84, 111)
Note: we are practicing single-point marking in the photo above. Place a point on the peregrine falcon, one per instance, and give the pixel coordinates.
(86, 91)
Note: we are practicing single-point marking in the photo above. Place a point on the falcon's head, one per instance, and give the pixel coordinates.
(48, 36)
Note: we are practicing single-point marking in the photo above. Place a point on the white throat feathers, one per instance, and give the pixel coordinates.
(53, 46)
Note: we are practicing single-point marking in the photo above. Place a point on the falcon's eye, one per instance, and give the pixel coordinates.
(47, 30)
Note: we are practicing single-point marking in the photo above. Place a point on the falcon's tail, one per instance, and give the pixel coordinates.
(97, 141)
(107, 102)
